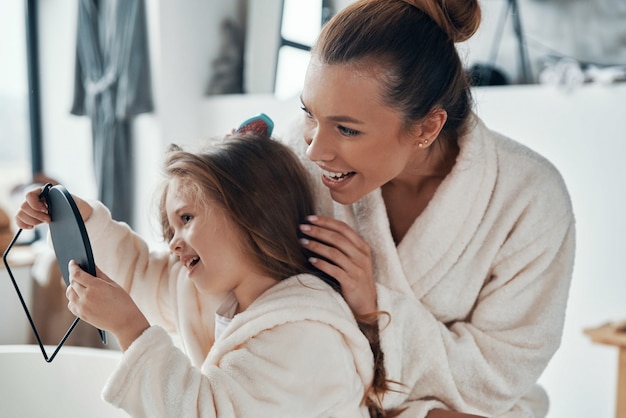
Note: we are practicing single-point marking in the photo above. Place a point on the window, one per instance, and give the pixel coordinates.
(279, 36)
(301, 23)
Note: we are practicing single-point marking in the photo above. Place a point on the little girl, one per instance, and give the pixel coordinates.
(283, 342)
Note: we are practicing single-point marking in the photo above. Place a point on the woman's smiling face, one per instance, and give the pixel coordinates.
(359, 143)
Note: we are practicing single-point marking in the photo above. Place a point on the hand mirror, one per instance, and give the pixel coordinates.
(70, 242)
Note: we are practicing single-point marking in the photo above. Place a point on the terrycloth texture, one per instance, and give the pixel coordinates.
(477, 289)
(295, 352)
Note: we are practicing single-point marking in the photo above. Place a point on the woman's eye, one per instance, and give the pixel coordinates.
(347, 131)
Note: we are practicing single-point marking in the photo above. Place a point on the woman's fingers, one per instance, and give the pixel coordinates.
(337, 233)
(345, 256)
(337, 242)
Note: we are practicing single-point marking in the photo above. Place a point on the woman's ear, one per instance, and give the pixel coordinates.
(430, 127)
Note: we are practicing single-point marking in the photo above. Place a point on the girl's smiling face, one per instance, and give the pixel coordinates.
(205, 240)
(359, 142)
(211, 247)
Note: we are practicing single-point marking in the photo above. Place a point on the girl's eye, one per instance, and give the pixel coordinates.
(306, 112)
(347, 131)
(186, 219)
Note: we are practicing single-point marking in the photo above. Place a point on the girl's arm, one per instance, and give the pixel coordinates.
(150, 277)
(296, 369)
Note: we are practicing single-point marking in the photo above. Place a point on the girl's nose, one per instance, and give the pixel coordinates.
(176, 244)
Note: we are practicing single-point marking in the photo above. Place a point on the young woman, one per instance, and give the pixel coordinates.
(464, 236)
(262, 332)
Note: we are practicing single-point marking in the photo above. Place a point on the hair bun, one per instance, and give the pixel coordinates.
(458, 18)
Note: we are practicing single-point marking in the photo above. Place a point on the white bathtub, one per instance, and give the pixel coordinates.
(69, 387)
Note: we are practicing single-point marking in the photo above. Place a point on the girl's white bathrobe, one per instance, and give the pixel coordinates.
(477, 289)
(295, 352)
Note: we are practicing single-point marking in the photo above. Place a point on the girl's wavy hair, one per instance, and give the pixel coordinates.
(265, 191)
(261, 186)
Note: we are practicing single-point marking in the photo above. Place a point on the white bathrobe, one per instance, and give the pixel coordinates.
(295, 352)
(477, 289)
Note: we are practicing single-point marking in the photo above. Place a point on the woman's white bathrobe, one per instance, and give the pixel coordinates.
(477, 289)
(295, 352)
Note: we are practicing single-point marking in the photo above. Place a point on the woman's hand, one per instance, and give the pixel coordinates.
(34, 210)
(349, 260)
(105, 305)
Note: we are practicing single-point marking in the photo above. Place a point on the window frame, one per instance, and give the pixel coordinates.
(34, 98)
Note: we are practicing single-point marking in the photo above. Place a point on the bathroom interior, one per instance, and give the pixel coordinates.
(550, 74)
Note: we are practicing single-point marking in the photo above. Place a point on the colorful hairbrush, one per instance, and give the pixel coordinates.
(260, 124)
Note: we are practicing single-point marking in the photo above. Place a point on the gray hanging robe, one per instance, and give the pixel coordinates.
(112, 83)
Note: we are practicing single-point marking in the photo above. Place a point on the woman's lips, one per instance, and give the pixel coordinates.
(336, 179)
(337, 176)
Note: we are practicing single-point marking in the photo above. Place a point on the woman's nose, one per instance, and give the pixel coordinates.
(319, 148)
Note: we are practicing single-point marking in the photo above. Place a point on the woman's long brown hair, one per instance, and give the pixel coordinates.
(264, 189)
